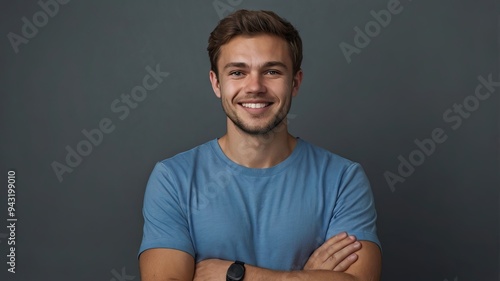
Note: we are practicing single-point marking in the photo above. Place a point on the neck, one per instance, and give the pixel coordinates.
(257, 151)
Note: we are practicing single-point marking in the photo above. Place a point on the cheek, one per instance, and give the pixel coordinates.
(226, 99)
(229, 91)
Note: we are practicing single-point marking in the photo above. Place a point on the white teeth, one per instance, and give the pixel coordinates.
(255, 105)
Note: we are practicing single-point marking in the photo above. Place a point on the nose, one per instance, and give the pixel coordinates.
(254, 84)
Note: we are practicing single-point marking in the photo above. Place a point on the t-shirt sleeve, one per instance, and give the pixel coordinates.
(165, 222)
(354, 211)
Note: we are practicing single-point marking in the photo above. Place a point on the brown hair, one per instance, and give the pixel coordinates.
(244, 22)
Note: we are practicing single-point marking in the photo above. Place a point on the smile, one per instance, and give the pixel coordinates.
(255, 105)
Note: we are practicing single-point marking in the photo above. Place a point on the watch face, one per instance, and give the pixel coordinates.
(236, 272)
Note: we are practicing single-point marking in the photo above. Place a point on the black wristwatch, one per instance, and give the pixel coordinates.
(236, 271)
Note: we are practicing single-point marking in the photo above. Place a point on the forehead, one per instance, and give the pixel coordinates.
(255, 50)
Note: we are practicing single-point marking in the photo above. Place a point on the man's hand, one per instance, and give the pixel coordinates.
(211, 269)
(337, 254)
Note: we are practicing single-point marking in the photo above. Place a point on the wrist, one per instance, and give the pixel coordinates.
(236, 271)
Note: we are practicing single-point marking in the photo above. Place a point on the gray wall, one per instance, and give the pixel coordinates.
(441, 222)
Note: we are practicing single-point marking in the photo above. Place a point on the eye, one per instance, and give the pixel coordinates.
(235, 73)
(272, 72)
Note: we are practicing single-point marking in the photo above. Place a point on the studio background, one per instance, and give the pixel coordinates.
(440, 222)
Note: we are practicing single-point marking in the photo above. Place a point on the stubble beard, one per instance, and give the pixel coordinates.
(257, 131)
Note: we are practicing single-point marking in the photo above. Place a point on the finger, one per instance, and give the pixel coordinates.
(334, 248)
(335, 259)
(324, 257)
(346, 263)
(334, 239)
(330, 242)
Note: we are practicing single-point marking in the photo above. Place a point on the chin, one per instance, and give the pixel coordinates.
(257, 130)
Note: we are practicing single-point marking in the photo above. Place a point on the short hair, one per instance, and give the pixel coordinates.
(245, 22)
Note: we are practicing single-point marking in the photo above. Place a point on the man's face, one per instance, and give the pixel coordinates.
(255, 82)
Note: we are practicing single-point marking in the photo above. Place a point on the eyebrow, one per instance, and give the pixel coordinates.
(266, 65)
(236, 64)
(274, 64)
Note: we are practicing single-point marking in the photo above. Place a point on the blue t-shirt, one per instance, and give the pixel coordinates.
(204, 204)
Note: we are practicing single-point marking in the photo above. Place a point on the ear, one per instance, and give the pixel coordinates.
(215, 83)
(297, 80)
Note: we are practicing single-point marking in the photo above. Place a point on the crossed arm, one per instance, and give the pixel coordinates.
(341, 258)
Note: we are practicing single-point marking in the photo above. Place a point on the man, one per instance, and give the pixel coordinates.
(258, 203)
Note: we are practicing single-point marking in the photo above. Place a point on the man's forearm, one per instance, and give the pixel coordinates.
(215, 269)
(260, 274)
(365, 268)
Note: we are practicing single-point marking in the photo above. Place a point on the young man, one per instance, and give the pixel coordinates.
(258, 203)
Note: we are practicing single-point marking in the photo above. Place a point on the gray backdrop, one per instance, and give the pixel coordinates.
(372, 90)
